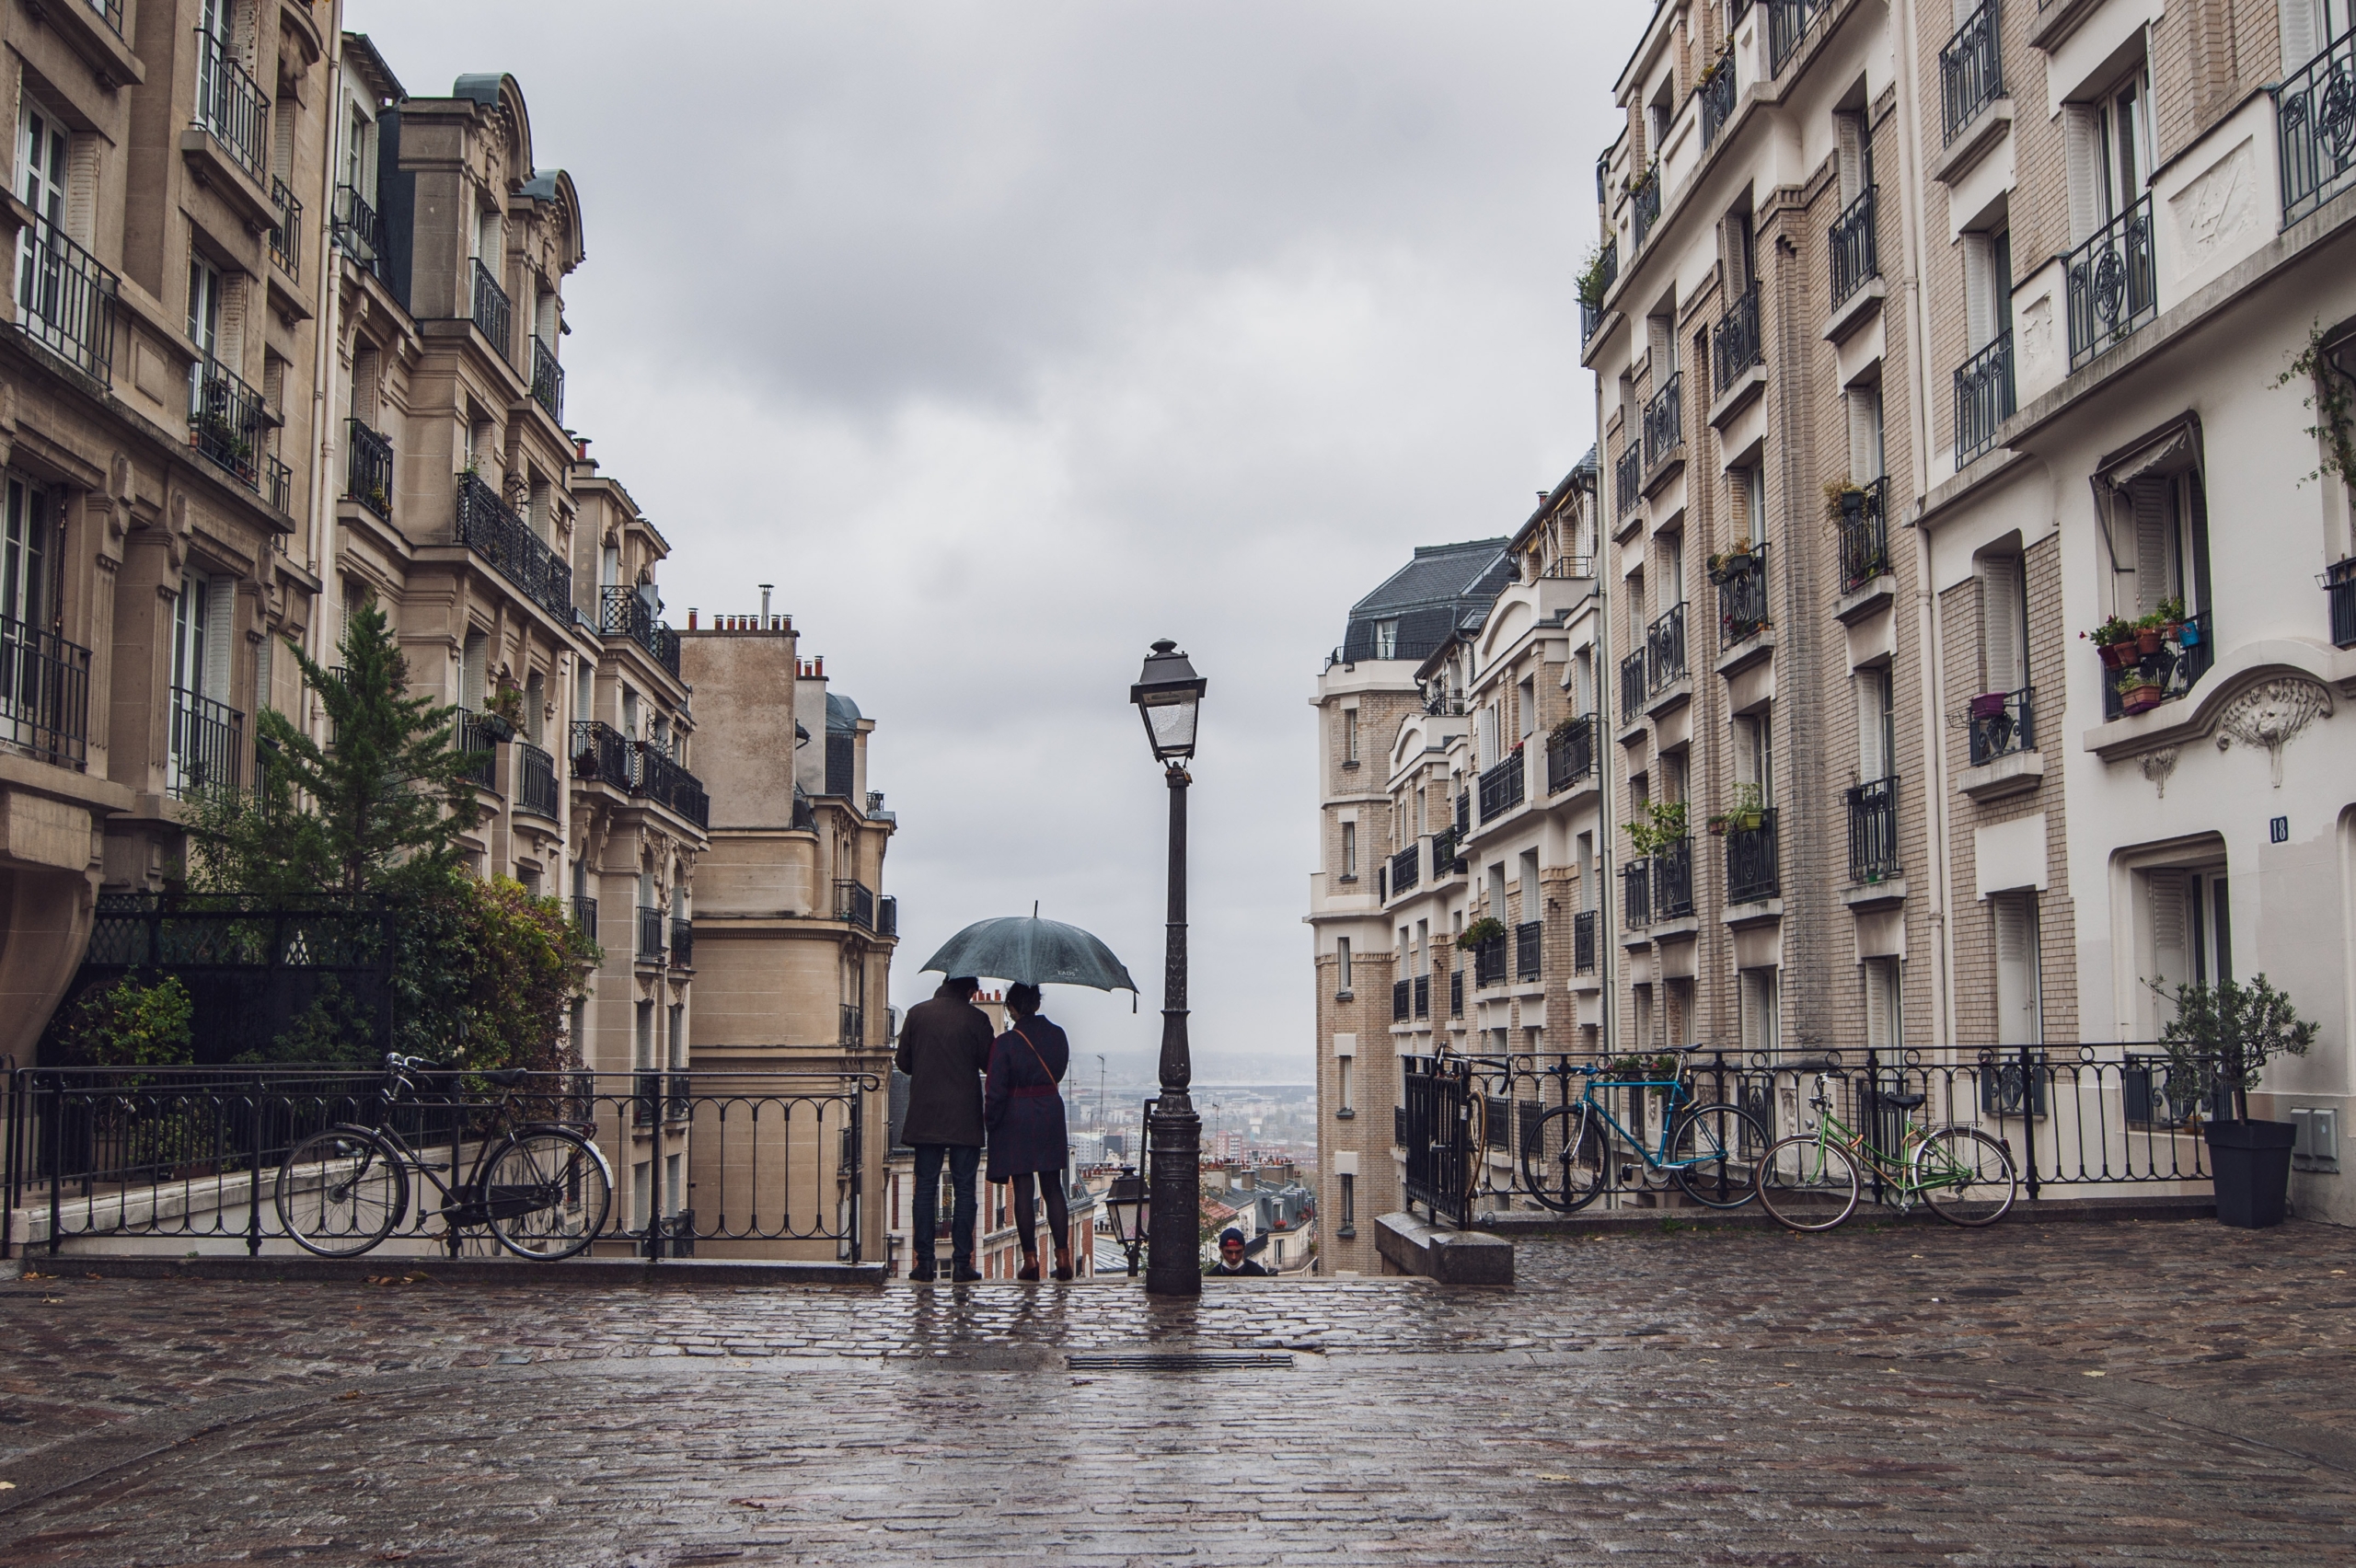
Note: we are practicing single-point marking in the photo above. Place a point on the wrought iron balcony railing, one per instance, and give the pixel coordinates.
(44, 694)
(1972, 70)
(231, 106)
(683, 942)
(1742, 596)
(1637, 894)
(2339, 583)
(359, 230)
(1489, 963)
(1983, 400)
(477, 736)
(1502, 787)
(1632, 686)
(1628, 476)
(1787, 24)
(650, 934)
(1645, 198)
(585, 916)
(1423, 995)
(602, 755)
(1403, 1001)
(1570, 753)
(487, 526)
(1673, 881)
(225, 419)
(1665, 650)
(278, 482)
(65, 301)
(2182, 659)
(853, 1023)
(664, 782)
(1873, 831)
(855, 902)
(534, 781)
(1407, 868)
(2314, 122)
(2001, 722)
(1717, 94)
(1856, 245)
(547, 380)
(1665, 422)
(1463, 813)
(1583, 926)
(1528, 950)
(492, 313)
(287, 234)
(1448, 857)
(369, 468)
(1734, 342)
(624, 612)
(1750, 862)
(1456, 993)
(2112, 288)
(1865, 535)
(207, 741)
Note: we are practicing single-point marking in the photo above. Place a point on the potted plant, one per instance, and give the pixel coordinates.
(2138, 693)
(1594, 278)
(2149, 635)
(1662, 826)
(2170, 615)
(2115, 640)
(1487, 929)
(504, 713)
(2223, 1036)
(1844, 501)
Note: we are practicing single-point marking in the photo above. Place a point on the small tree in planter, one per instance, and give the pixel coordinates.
(1594, 278)
(1664, 827)
(2222, 1036)
(1487, 929)
(1844, 501)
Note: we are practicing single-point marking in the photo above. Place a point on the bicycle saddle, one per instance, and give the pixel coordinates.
(506, 1077)
(1904, 1102)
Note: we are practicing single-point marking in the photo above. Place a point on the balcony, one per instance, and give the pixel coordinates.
(477, 737)
(1983, 400)
(1407, 868)
(207, 740)
(624, 612)
(1635, 895)
(1632, 686)
(359, 231)
(1665, 423)
(1665, 650)
(852, 1025)
(2112, 287)
(602, 755)
(1403, 1001)
(1864, 529)
(494, 315)
(1644, 197)
(1673, 880)
(665, 783)
(2150, 678)
(887, 916)
(369, 468)
(226, 420)
(1502, 787)
(2315, 118)
(2340, 583)
(1856, 247)
(44, 694)
(1628, 478)
(1873, 831)
(683, 942)
(1570, 753)
(1448, 857)
(1718, 95)
(855, 903)
(2002, 722)
(1583, 933)
(1750, 862)
(1489, 963)
(287, 232)
(1456, 993)
(1972, 71)
(1742, 596)
(489, 527)
(1787, 24)
(1464, 815)
(547, 380)
(1423, 995)
(534, 781)
(650, 934)
(585, 916)
(65, 301)
(1734, 342)
(1528, 950)
(230, 108)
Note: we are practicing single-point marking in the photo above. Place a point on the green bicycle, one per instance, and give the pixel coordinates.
(1809, 1182)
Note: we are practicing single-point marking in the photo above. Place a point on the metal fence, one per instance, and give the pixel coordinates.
(1856, 245)
(65, 300)
(1733, 343)
(2112, 284)
(1972, 70)
(2315, 116)
(1983, 400)
(117, 1157)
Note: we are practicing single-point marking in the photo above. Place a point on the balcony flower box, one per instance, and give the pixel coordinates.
(2138, 693)
(1990, 704)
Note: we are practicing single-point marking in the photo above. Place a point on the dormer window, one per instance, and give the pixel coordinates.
(1386, 640)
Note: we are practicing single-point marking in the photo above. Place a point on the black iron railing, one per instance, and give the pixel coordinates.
(44, 694)
(1665, 649)
(1865, 535)
(278, 482)
(1489, 963)
(1570, 753)
(207, 741)
(2315, 121)
(1742, 596)
(1502, 787)
(683, 942)
(2183, 657)
(1628, 476)
(2112, 289)
(1632, 686)
(1673, 881)
(662, 780)
(287, 233)
(2001, 722)
(359, 230)
(1583, 942)
(1787, 24)
(1637, 894)
(547, 380)
(1463, 813)
(492, 313)
(1645, 198)
(231, 106)
(225, 419)
(855, 902)
(1972, 70)
(650, 934)
(369, 468)
(1983, 400)
(65, 301)
(1407, 868)
(534, 781)
(1456, 993)
(2340, 584)
(1873, 831)
(1448, 853)
(1717, 94)
(602, 755)
(490, 527)
(1734, 342)
(1856, 249)
(1528, 950)
(1751, 871)
(851, 1024)
(1665, 422)
(478, 736)
(1423, 995)
(887, 916)
(624, 612)
(585, 916)
(1403, 1001)
(1434, 1126)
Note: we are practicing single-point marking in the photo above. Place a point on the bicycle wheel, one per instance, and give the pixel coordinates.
(1965, 1176)
(1561, 1160)
(545, 1193)
(342, 1192)
(1715, 1151)
(1807, 1183)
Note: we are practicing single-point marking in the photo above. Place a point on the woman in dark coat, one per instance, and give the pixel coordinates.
(1026, 1121)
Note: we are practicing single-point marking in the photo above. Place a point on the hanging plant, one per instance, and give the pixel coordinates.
(2333, 399)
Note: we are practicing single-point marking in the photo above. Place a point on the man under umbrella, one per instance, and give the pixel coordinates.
(945, 1049)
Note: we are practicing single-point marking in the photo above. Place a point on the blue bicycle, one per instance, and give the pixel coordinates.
(1711, 1152)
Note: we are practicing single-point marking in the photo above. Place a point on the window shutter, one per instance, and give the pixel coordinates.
(2000, 618)
(263, 659)
(82, 189)
(2152, 574)
(2171, 952)
(220, 606)
(1876, 1005)
(2017, 1005)
(2299, 38)
(1865, 433)
(1871, 763)
(1852, 157)
(2082, 151)
(231, 351)
(1979, 292)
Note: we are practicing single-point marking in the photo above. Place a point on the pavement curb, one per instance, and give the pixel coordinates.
(591, 1273)
(1652, 1221)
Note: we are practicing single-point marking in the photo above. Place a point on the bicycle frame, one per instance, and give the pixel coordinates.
(1676, 1097)
(1896, 1169)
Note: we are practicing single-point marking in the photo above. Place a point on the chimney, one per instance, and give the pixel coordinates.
(691, 617)
(764, 603)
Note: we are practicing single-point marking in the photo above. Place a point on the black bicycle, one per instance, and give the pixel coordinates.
(542, 1188)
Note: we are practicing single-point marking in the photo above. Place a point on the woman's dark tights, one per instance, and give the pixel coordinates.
(1058, 1210)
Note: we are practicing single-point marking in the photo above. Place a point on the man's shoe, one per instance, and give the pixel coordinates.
(965, 1274)
(1030, 1268)
(922, 1274)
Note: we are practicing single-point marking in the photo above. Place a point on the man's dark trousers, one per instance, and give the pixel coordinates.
(965, 1162)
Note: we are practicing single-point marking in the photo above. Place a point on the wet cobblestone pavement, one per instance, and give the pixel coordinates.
(2134, 1393)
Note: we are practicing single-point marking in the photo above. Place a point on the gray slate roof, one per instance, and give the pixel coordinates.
(1443, 588)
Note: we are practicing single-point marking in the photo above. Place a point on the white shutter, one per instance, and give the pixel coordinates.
(220, 611)
(2081, 151)
(264, 657)
(2171, 950)
(1979, 292)
(2000, 623)
(1662, 345)
(2299, 41)
(2149, 499)
(1852, 157)
(471, 672)
(82, 189)
(2017, 1013)
(1871, 762)
(1865, 433)
(1877, 1008)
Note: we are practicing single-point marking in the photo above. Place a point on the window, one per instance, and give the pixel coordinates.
(1762, 1002)
(1865, 459)
(201, 635)
(1987, 287)
(676, 1032)
(2107, 144)
(1644, 1011)
(2020, 1015)
(1344, 1102)
(26, 558)
(1342, 968)
(1349, 1200)
(1678, 1011)
(1856, 154)
(1876, 734)
(1885, 1027)
(204, 308)
(42, 146)
(1747, 489)
(1490, 748)
(1738, 251)
(1526, 700)
(473, 671)
(1755, 753)
(642, 1038)
(584, 691)
(2003, 625)
(1349, 852)
(1670, 582)
(1386, 640)
(2188, 935)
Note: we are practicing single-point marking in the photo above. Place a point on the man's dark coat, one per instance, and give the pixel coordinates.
(944, 1049)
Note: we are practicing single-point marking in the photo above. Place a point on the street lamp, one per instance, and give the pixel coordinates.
(1126, 1203)
(1169, 695)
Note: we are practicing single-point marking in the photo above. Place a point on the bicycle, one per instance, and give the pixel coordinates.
(1710, 1152)
(543, 1189)
(1810, 1180)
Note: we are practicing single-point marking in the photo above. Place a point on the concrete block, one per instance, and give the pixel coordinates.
(1448, 1257)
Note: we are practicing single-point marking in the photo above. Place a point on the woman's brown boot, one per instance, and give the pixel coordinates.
(1030, 1268)
(1063, 1262)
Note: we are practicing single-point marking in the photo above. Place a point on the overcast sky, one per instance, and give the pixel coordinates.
(1006, 338)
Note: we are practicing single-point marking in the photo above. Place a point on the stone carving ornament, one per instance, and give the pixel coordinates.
(2157, 766)
(2272, 714)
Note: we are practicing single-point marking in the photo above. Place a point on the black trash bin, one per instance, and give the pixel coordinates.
(2252, 1164)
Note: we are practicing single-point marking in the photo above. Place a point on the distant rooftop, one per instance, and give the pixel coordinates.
(1414, 612)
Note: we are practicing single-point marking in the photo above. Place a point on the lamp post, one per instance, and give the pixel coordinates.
(1125, 1201)
(1168, 698)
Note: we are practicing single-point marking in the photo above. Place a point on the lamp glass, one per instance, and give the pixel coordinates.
(1169, 725)
(1125, 1200)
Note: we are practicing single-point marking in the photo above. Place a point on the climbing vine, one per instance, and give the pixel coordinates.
(2334, 402)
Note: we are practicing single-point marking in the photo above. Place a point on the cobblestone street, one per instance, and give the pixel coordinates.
(2145, 1393)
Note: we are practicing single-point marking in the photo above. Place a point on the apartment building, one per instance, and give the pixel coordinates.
(1768, 708)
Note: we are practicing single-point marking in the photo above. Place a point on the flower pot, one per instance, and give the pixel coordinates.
(2252, 1164)
(2118, 655)
(2138, 699)
(496, 727)
(1987, 704)
(1853, 507)
(2147, 641)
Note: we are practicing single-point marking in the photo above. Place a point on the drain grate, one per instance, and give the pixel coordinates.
(1181, 1361)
